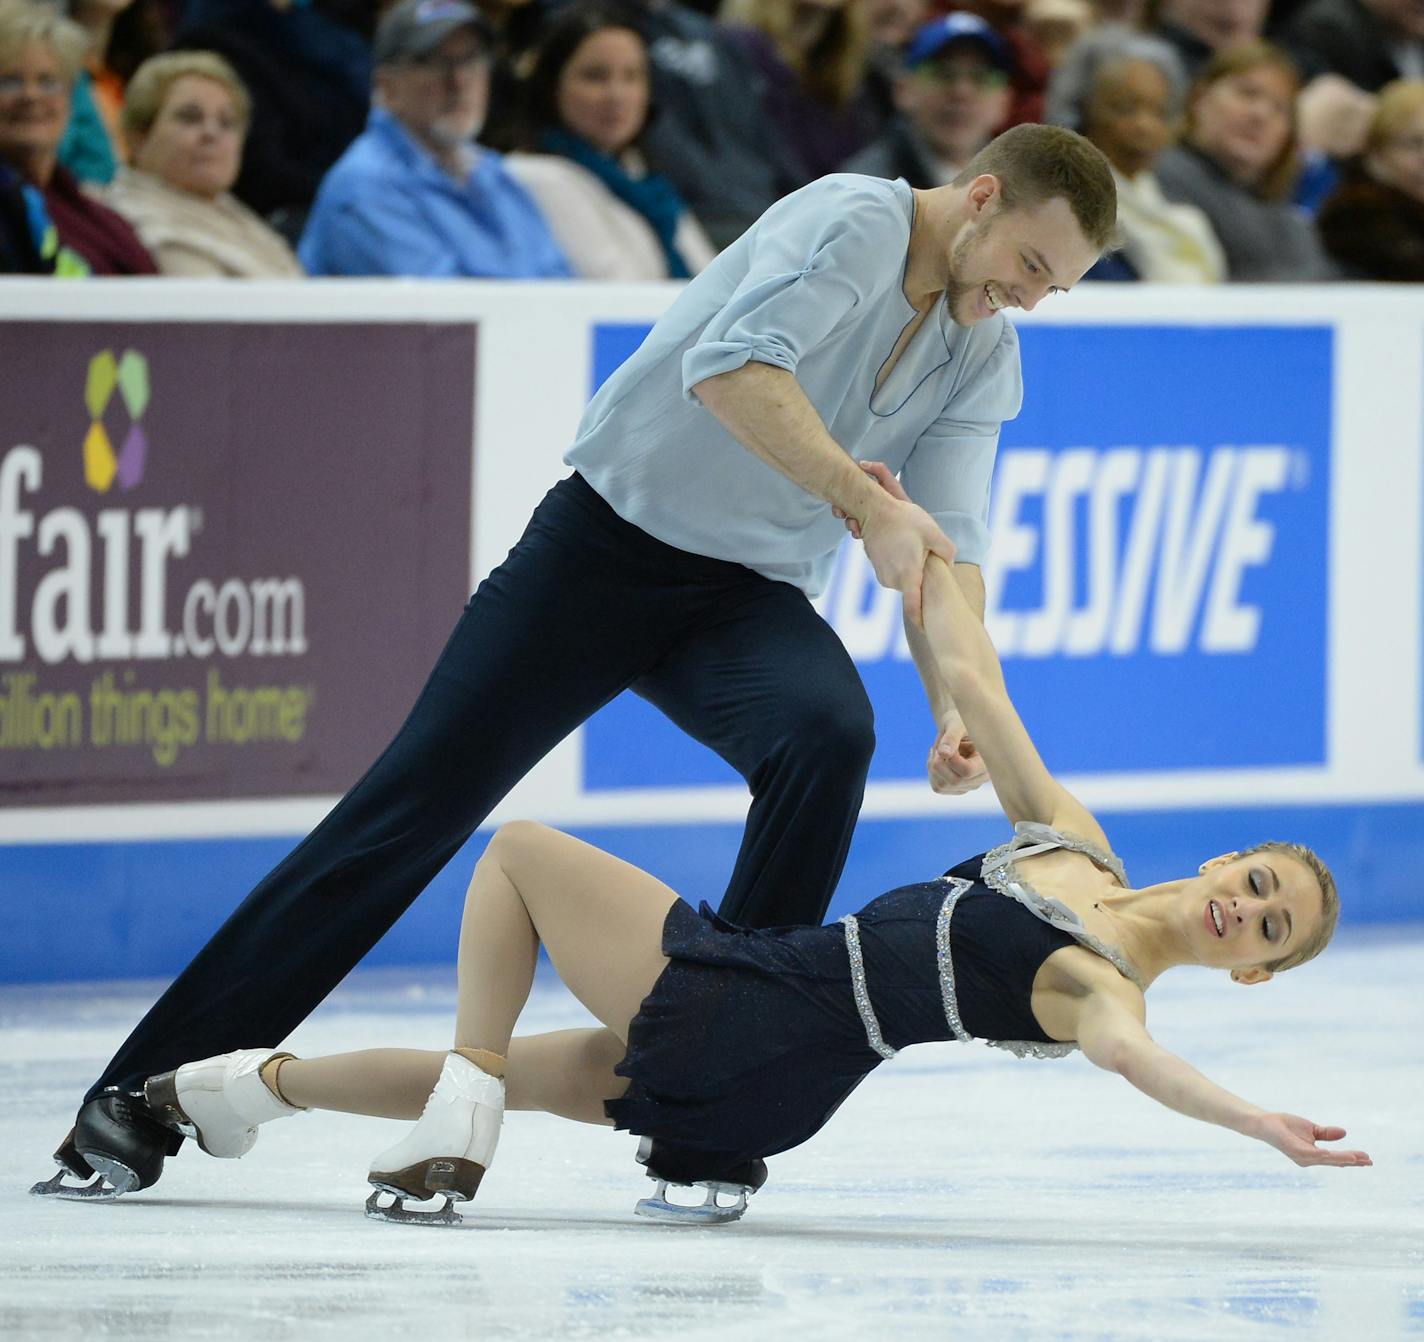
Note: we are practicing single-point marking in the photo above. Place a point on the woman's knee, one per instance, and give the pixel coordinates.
(515, 840)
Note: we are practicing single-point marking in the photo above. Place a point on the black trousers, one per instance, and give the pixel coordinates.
(585, 606)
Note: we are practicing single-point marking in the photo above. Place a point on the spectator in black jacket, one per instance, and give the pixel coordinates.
(20, 248)
(1370, 42)
(309, 78)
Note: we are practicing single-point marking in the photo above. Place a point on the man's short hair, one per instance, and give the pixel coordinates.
(1035, 163)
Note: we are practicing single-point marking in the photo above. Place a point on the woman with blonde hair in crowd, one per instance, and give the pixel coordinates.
(1374, 222)
(578, 152)
(186, 115)
(1237, 163)
(41, 55)
(812, 56)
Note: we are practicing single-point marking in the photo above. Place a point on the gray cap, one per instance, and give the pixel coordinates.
(414, 28)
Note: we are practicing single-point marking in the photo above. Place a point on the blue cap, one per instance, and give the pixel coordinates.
(935, 36)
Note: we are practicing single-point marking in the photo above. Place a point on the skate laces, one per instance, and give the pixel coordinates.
(132, 1108)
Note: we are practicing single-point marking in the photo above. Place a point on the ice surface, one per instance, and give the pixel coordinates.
(960, 1193)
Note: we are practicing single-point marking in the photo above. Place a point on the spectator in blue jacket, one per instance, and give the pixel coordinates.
(414, 195)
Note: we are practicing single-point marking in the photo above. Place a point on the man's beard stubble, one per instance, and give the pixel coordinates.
(956, 288)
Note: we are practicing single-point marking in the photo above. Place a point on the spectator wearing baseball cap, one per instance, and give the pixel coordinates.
(953, 97)
(1009, 18)
(414, 195)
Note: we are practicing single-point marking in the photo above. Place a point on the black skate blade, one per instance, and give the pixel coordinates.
(397, 1213)
(709, 1213)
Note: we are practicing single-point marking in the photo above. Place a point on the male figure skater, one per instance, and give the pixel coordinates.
(856, 320)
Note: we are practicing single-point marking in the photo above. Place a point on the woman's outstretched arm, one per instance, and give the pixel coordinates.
(1113, 1036)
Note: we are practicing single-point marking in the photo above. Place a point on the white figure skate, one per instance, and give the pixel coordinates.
(447, 1152)
(218, 1101)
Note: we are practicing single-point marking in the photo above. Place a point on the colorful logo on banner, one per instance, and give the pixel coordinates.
(128, 377)
(1157, 588)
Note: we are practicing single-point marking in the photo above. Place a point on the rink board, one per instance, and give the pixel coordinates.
(1206, 588)
(142, 909)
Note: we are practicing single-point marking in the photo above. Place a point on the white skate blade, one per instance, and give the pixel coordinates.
(397, 1213)
(709, 1213)
(111, 1181)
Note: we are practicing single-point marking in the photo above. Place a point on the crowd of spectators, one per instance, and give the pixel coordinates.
(1251, 140)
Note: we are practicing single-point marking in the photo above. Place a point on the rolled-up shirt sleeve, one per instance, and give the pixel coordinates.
(949, 471)
(815, 256)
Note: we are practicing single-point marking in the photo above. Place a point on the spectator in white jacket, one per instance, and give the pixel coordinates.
(585, 106)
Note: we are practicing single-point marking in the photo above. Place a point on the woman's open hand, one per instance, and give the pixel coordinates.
(1296, 1137)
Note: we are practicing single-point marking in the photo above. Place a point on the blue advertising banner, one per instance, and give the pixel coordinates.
(1158, 584)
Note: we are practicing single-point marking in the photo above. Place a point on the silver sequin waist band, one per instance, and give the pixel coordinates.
(873, 1037)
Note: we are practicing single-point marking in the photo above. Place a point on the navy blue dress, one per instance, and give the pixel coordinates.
(751, 1039)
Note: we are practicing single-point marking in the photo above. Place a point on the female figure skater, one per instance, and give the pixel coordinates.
(737, 1044)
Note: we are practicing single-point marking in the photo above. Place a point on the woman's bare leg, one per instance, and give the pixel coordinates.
(600, 919)
(382, 1082)
(565, 1072)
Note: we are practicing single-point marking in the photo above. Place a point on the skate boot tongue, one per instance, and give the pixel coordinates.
(219, 1101)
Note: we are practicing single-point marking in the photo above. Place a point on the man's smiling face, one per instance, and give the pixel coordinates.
(1013, 258)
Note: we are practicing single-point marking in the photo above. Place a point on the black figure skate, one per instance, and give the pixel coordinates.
(692, 1169)
(116, 1145)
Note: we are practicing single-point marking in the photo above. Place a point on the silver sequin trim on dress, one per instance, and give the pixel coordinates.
(1031, 838)
(1020, 1048)
(873, 1036)
(957, 886)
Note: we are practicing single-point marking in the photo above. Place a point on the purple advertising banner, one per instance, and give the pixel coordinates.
(229, 552)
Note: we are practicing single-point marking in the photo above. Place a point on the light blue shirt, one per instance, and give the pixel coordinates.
(815, 287)
(388, 208)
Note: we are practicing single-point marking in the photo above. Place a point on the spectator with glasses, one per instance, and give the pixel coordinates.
(41, 54)
(953, 96)
(186, 116)
(414, 195)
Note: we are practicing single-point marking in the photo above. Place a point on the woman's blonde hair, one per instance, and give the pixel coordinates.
(1329, 903)
(834, 68)
(148, 89)
(1399, 103)
(22, 23)
(1278, 179)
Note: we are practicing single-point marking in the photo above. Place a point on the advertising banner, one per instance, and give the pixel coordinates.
(1157, 585)
(229, 552)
